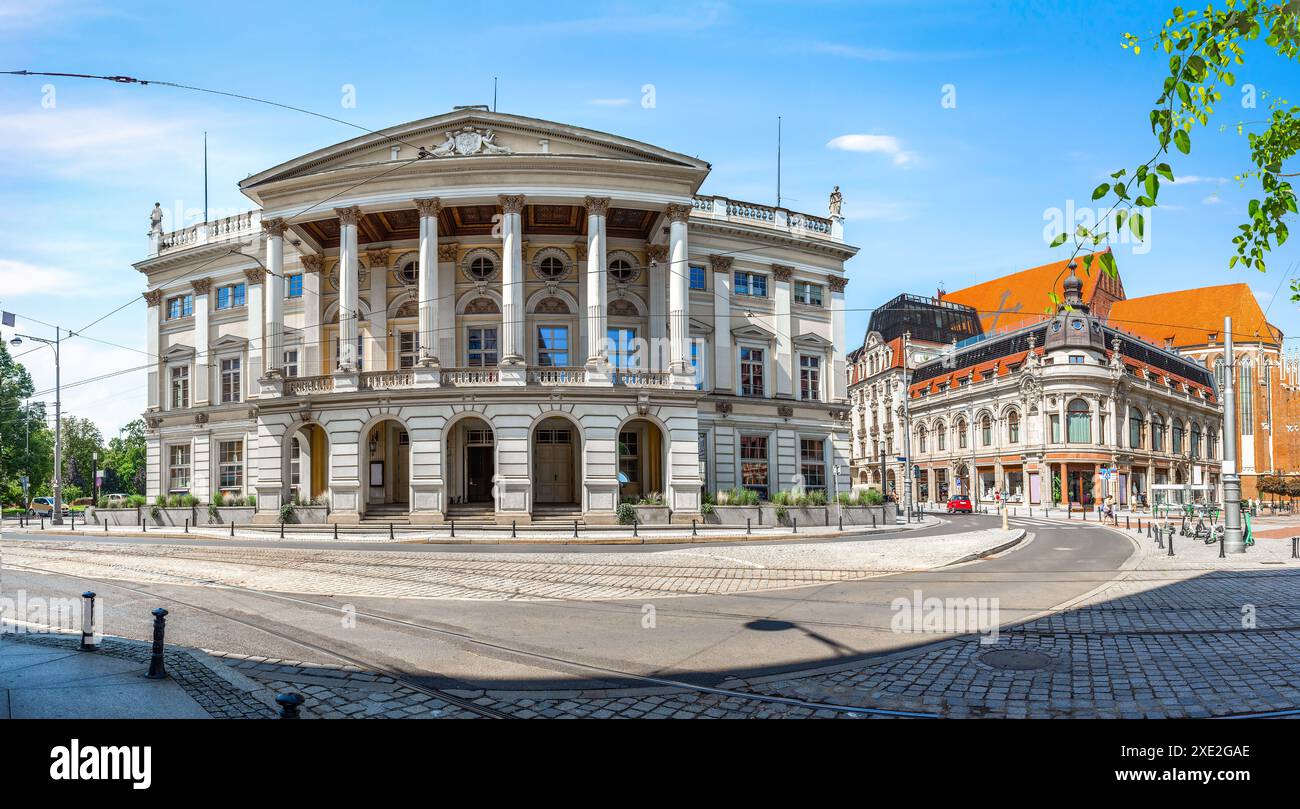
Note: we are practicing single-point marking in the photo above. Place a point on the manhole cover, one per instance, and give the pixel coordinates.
(1016, 659)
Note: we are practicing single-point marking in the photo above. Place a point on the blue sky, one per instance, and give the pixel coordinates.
(1047, 104)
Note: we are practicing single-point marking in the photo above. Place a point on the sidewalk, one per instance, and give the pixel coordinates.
(44, 675)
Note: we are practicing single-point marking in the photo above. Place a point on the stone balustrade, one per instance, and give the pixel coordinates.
(557, 375)
(386, 380)
(752, 213)
(234, 228)
(545, 376)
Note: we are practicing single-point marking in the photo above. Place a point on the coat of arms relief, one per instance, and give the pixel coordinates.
(468, 141)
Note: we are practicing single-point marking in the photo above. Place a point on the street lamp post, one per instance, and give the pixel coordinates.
(56, 514)
(94, 477)
(1233, 541)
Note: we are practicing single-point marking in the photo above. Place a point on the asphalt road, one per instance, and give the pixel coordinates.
(572, 644)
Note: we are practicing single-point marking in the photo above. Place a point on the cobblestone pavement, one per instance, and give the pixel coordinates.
(513, 576)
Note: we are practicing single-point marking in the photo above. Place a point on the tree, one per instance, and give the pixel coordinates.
(124, 460)
(26, 445)
(81, 440)
(1203, 50)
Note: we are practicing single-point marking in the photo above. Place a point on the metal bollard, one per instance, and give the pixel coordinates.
(1295, 547)
(281, 529)
(390, 532)
(841, 520)
(873, 519)
(1067, 512)
(42, 522)
(1170, 532)
(575, 527)
(72, 515)
(1085, 516)
(336, 530)
(749, 528)
(289, 703)
(694, 533)
(453, 529)
(187, 525)
(513, 533)
(105, 526)
(157, 669)
(88, 641)
(1126, 525)
(1223, 550)
(634, 527)
(794, 525)
(232, 528)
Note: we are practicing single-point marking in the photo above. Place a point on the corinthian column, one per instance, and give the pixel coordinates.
(427, 287)
(679, 272)
(349, 270)
(513, 364)
(597, 284)
(274, 358)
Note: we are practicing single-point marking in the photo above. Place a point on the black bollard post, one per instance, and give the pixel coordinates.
(187, 525)
(232, 528)
(634, 527)
(88, 642)
(794, 525)
(453, 529)
(289, 703)
(336, 530)
(72, 515)
(873, 519)
(694, 533)
(1170, 532)
(281, 529)
(749, 528)
(1223, 550)
(1126, 525)
(513, 533)
(157, 669)
(575, 527)
(1295, 547)
(42, 522)
(841, 520)
(105, 526)
(390, 532)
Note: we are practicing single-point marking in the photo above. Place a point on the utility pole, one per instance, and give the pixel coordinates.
(907, 425)
(56, 514)
(1233, 541)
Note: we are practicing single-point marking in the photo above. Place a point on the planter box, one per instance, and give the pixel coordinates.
(652, 515)
(310, 515)
(113, 516)
(174, 517)
(806, 515)
(886, 514)
(229, 514)
(735, 515)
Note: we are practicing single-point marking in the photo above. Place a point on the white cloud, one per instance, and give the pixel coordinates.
(19, 279)
(874, 144)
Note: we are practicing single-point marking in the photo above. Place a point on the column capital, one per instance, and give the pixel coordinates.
(378, 257)
(153, 297)
(202, 286)
(274, 227)
(312, 263)
(511, 203)
(448, 250)
(256, 275)
(837, 283)
(596, 206)
(720, 263)
(678, 213)
(782, 272)
(657, 253)
(428, 206)
(349, 215)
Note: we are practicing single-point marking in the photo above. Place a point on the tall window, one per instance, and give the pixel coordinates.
(753, 284)
(1196, 440)
(753, 463)
(481, 346)
(1079, 421)
(293, 285)
(1013, 427)
(920, 439)
(358, 353)
(295, 464)
(1055, 421)
(629, 456)
(1135, 428)
(1218, 372)
(1245, 402)
(962, 438)
(181, 386)
(810, 377)
(180, 306)
(697, 371)
(291, 362)
(751, 371)
(230, 378)
(622, 347)
(408, 348)
(986, 431)
(230, 296)
(941, 436)
(812, 463)
(1211, 444)
(807, 294)
(230, 466)
(698, 277)
(1178, 436)
(553, 345)
(178, 468)
(1157, 433)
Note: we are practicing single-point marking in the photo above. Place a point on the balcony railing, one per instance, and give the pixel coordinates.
(767, 216)
(235, 228)
(557, 375)
(307, 385)
(468, 377)
(541, 376)
(386, 380)
(643, 379)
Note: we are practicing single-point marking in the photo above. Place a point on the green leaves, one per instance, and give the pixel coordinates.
(1183, 141)
(1059, 240)
(1101, 191)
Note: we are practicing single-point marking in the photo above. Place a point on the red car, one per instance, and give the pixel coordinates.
(960, 503)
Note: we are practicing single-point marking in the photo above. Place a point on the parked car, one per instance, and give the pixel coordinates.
(116, 500)
(960, 503)
(44, 507)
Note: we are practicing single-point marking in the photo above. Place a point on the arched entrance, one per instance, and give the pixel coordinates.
(641, 461)
(386, 473)
(556, 467)
(306, 465)
(469, 451)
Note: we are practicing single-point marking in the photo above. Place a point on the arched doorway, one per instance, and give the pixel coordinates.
(469, 451)
(556, 467)
(641, 461)
(386, 474)
(306, 465)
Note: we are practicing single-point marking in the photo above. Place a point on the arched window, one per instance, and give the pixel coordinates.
(941, 436)
(986, 431)
(1157, 433)
(1135, 428)
(920, 439)
(1013, 427)
(1196, 440)
(1079, 421)
(1178, 436)
(1211, 444)
(1218, 372)
(961, 435)
(1245, 404)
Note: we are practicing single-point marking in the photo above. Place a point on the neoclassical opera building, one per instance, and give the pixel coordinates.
(487, 316)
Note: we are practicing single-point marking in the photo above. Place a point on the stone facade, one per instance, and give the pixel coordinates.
(529, 318)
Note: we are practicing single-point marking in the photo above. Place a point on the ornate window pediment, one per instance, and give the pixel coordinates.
(482, 306)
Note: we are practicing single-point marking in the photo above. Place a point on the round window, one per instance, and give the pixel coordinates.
(410, 272)
(622, 270)
(481, 268)
(550, 268)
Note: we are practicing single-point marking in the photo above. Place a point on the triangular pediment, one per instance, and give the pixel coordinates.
(813, 341)
(178, 352)
(474, 134)
(229, 341)
(753, 331)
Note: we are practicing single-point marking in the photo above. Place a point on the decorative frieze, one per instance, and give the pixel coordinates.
(377, 257)
(448, 251)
